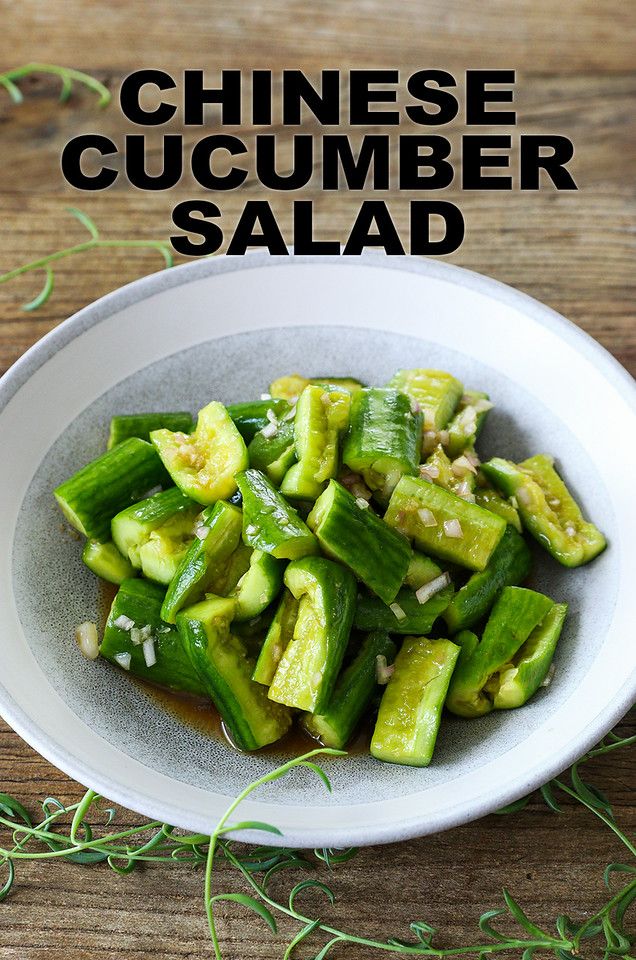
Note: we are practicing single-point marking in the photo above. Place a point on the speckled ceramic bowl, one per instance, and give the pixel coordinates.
(224, 328)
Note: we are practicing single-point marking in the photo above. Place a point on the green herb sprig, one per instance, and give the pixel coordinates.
(9, 80)
(94, 243)
(605, 933)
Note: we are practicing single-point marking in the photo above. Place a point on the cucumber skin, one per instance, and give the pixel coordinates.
(377, 554)
(258, 586)
(203, 558)
(482, 530)
(509, 565)
(142, 424)
(533, 667)
(92, 496)
(141, 601)
(226, 670)
(373, 614)
(250, 417)
(329, 591)
(106, 562)
(352, 695)
(382, 428)
(279, 635)
(277, 527)
(273, 456)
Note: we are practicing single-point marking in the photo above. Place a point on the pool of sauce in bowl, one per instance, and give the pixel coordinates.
(202, 716)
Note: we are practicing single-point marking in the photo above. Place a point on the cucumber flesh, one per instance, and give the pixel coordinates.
(258, 586)
(166, 546)
(277, 639)
(270, 524)
(203, 464)
(131, 528)
(105, 561)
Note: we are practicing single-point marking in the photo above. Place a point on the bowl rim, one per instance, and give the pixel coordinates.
(142, 288)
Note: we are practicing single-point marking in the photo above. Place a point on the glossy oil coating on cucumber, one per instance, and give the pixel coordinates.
(204, 464)
(509, 565)
(384, 438)
(411, 706)
(322, 417)
(405, 615)
(513, 618)
(356, 687)
(134, 621)
(259, 586)
(548, 510)
(270, 523)
(225, 669)
(359, 539)
(308, 669)
(279, 635)
(142, 424)
(205, 565)
(91, 497)
(444, 525)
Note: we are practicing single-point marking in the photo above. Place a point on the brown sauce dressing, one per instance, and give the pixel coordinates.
(202, 716)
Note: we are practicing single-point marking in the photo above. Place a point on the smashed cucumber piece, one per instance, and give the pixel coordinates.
(436, 392)
(270, 524)
(203, 464)
(308, 669)
(142, 424)
(225, 669)
(259, 586)
(322, 417)
(279, 635)
(154, 534)
(105, 561)
(290, 387)
(411, 707)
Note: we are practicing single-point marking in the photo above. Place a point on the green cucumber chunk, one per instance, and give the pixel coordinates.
(167, 545)
(259, 585)
(270, 524)
(203, 464)
(308, 669)
(273, 455)
(518, 680)
(105, 561)
(225, 668)
(509, 565)
(493, 501)
(359, 539)
(411, 706)
(352, 696)
(135, 613)
(443, 524)
(384, 438)
(142, 424)
(279, 635)
(436, 392)
(466, 425)
(91, 497)
(548, 510)
(205, 565)
(322, 417)
(421, 570)
(513, 618)
(446, 474)
(131, 528)
(290, 387)
(405, 615)
(252, 416)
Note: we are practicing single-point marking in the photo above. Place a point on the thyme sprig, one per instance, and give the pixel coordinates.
(94, 243)
(66, 832)
(9, 80)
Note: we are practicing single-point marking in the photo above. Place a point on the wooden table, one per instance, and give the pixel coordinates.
(572, 250)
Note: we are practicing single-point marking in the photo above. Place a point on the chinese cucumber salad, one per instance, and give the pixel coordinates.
(331, 555)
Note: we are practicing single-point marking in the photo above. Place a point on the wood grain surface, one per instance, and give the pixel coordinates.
(575, 251)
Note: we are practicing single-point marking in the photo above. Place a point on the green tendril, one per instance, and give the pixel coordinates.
(67, 76)
(95, 243)
(87, 841)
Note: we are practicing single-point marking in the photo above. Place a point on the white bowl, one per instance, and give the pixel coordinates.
(223, 328)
